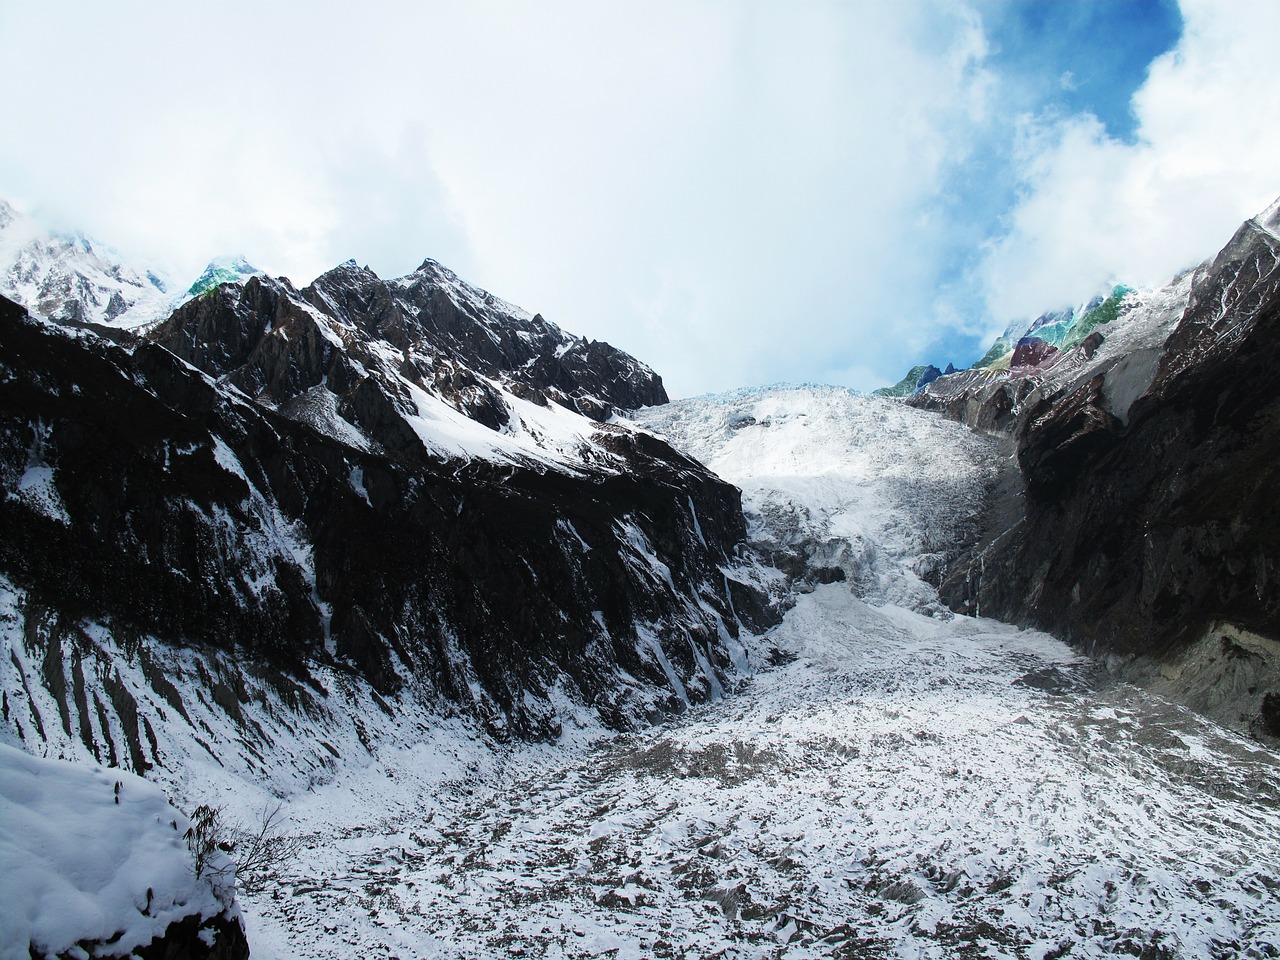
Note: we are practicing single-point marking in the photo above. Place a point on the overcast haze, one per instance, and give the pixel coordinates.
(737, 193)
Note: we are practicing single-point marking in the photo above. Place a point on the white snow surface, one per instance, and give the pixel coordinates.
(544, 438)
(88, 853)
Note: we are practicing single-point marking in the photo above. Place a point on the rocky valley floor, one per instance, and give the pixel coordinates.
(902, 787)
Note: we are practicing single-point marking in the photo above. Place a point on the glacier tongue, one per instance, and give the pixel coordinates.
(839, 486)
(904, 787)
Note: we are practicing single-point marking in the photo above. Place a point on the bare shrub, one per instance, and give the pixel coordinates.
(207, 839)
(260, 852)
(264, 852)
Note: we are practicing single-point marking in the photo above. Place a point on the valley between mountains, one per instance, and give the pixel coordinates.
(889, 780)
(513, 656)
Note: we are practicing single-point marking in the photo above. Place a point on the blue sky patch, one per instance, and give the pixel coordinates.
(1088, 56)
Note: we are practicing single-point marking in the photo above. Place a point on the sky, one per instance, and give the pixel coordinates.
(738, 193)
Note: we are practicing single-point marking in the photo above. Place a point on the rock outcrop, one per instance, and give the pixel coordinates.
(1147, 529)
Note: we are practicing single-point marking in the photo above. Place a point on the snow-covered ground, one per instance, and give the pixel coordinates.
(889, 783)
(905, 787)
(95, 855)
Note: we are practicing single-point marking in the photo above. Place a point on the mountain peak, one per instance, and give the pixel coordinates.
(348, 269)
(1269, 219)
(69, 277)
(220, 270)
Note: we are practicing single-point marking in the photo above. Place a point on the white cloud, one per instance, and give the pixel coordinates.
(732, 192)
(736, 193)
(1097, 209)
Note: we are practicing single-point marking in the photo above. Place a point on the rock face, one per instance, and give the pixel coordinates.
(410, 481)
(1148, 529)
(917, 379)
(193, 938)
(429, 329)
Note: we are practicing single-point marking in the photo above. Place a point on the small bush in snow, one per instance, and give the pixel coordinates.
(260, 852)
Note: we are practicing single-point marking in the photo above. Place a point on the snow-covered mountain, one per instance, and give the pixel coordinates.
(220, 270)
(411, 481)
(69, 277)
(72, 278)
(537, 663)
(892, 783)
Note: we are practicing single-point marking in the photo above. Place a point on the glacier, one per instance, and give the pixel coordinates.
(891, 780)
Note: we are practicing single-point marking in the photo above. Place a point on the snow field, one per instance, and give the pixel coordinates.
(905, 787)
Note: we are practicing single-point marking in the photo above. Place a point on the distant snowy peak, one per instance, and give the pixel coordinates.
(1032, 347)
(917, 378)
(72, 278)
(1062, 343)
(234, 269)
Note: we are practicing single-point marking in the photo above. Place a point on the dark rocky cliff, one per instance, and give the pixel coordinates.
(274, 343)
(263, 479)
(1142, 522)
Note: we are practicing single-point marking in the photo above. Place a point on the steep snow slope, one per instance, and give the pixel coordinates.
(838, 485)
